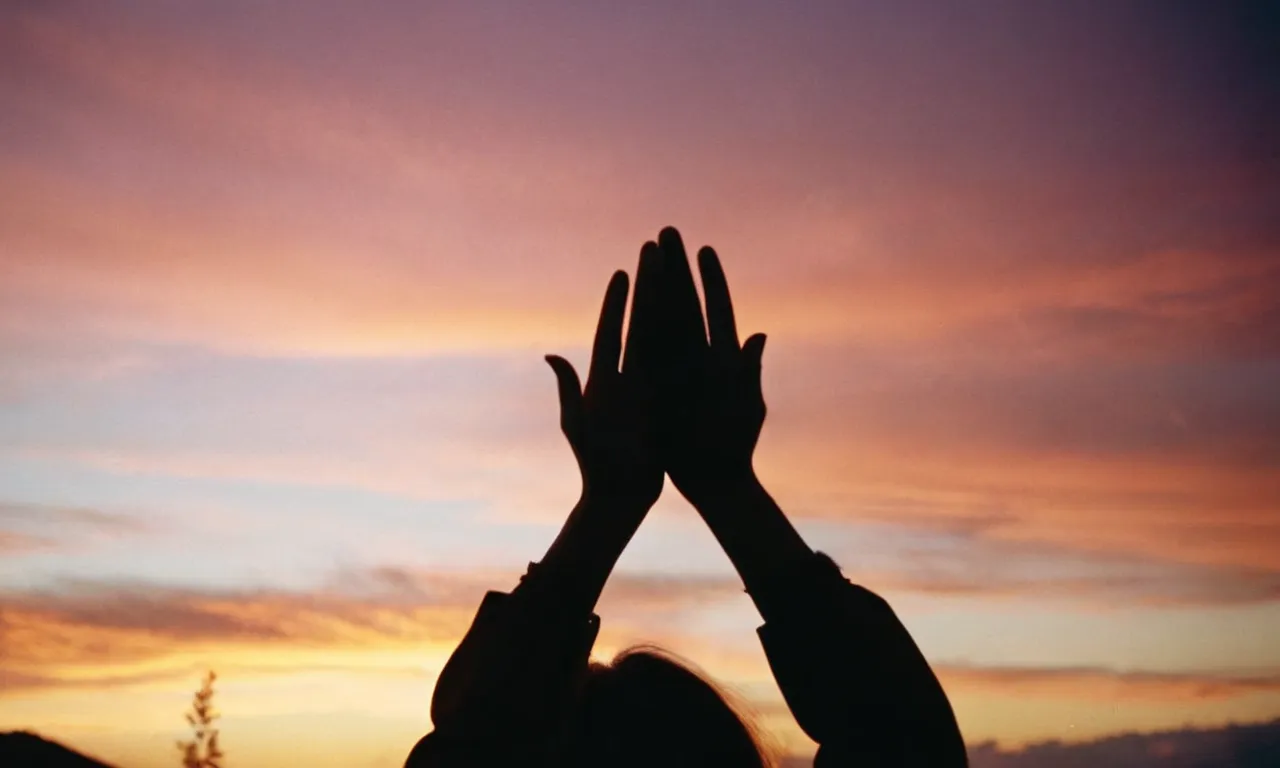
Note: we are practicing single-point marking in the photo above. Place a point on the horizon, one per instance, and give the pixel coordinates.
(276, 284)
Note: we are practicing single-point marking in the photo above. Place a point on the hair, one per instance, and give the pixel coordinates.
(649, 708)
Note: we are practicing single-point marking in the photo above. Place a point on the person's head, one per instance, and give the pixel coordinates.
(646, 708)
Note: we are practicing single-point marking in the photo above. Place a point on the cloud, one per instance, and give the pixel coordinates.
(80, 623)
(930, 559)
(1239, 746)
(13, 681)
(1128, 458)
(1142, 306)
(1147, 461)
(103, 631)
(1105, 535)
(37, 528)
(43, 515)
(627, 591)
(97, 625)
(1100, 684)
(19, 543)
(101, 679)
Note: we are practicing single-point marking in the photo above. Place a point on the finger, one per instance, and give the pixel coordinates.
(608, 344)
(646, 312)
(570, 389)
(720, 323)
(683, 307)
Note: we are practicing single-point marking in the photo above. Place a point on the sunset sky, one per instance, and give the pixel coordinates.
(276, 280)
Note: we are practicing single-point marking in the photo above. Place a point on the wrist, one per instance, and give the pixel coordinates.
(754, 532)
(619, 507)
(727, 492)
(603, 525)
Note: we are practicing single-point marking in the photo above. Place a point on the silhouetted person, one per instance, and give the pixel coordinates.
(686, 401)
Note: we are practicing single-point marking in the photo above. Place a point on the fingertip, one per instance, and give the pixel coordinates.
(669, 237)
(619, 283)
(651, 260)
(709, 261)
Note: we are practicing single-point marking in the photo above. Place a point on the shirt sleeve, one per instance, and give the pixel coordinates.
(503, 695)
(851, 674)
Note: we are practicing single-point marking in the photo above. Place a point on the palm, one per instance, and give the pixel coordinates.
(712, 408)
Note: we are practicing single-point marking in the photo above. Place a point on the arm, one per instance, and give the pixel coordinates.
(849, 670)
(503, 696)
(847, 667)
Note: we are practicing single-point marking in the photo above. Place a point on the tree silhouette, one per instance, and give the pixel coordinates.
(202, 751)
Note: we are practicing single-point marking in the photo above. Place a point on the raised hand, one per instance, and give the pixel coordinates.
(613, 433)
(610, 425)
(712, 407)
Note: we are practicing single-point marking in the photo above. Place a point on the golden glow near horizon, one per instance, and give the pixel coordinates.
(275, 285)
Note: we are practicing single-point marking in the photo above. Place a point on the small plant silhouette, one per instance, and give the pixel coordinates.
(202, 751)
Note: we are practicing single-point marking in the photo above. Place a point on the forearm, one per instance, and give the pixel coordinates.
(755, 534)
(579, 561)
(846, 665)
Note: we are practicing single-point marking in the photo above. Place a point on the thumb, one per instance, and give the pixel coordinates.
(570, 390)
(753, 350)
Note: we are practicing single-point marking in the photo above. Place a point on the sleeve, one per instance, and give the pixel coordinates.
(851, 674)
(502, 697)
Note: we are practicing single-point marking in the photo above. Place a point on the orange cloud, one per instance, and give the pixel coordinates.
(398, 624)
(12, 543)
(95, 625)
(47, 635)
(1104, 684)
(1145, 507)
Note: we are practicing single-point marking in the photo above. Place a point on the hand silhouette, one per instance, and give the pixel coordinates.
(712, 407)
(610, 426)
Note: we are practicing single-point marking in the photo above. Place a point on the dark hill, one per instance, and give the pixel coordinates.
(20, 749)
